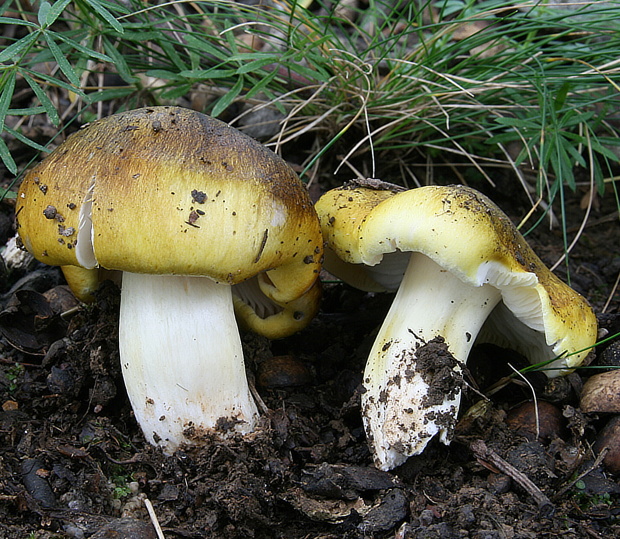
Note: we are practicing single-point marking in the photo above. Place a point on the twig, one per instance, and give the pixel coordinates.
(154, 521)
(70, 312)
(482, 452)
(611, 294)
(136, 459)
(501, 384)
(593, 466)
(257, 398)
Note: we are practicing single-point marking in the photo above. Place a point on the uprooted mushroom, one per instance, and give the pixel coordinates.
(462, 272)
(188, 209)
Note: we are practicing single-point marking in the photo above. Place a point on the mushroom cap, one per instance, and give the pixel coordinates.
(172, 191)
(287, 319)
(467, 234)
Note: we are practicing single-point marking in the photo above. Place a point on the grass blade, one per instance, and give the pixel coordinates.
(119, 61)
(22, 138)
(54, 12)
(45, 101)
(62, 61)
(6, 157)
(106, 15)
(90, 53)
(44, 9)
(16, 48)
(8, 88)
(225, 101)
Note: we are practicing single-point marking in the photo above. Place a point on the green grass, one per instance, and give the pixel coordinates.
(453, 88)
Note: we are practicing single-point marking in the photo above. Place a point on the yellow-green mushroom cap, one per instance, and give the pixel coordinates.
(463, 273)
(170, 191)
(186, 209)
(467, 234)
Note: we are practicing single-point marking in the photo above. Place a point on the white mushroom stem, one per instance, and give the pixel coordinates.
(412, 391)
(182, 359)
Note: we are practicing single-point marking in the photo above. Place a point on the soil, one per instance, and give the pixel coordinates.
(74, 464)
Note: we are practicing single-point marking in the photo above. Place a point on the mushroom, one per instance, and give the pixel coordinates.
(198, 217)
(461, 271)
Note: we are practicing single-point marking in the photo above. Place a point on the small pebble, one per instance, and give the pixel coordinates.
(523, 419)
(10, 406)
(73, 531)
(60, 380)
(466, 517)
(33, 477)
(609, 437)
(601, 393)
(282, 372)
(499, 483)
(394, 508)
(126, 528)
(426, 518)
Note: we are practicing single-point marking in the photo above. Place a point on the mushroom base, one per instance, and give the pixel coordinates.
(182, 360)
(413, 376)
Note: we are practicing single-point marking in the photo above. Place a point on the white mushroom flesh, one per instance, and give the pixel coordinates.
(408, 398)
(182, 359)
(84, 250)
